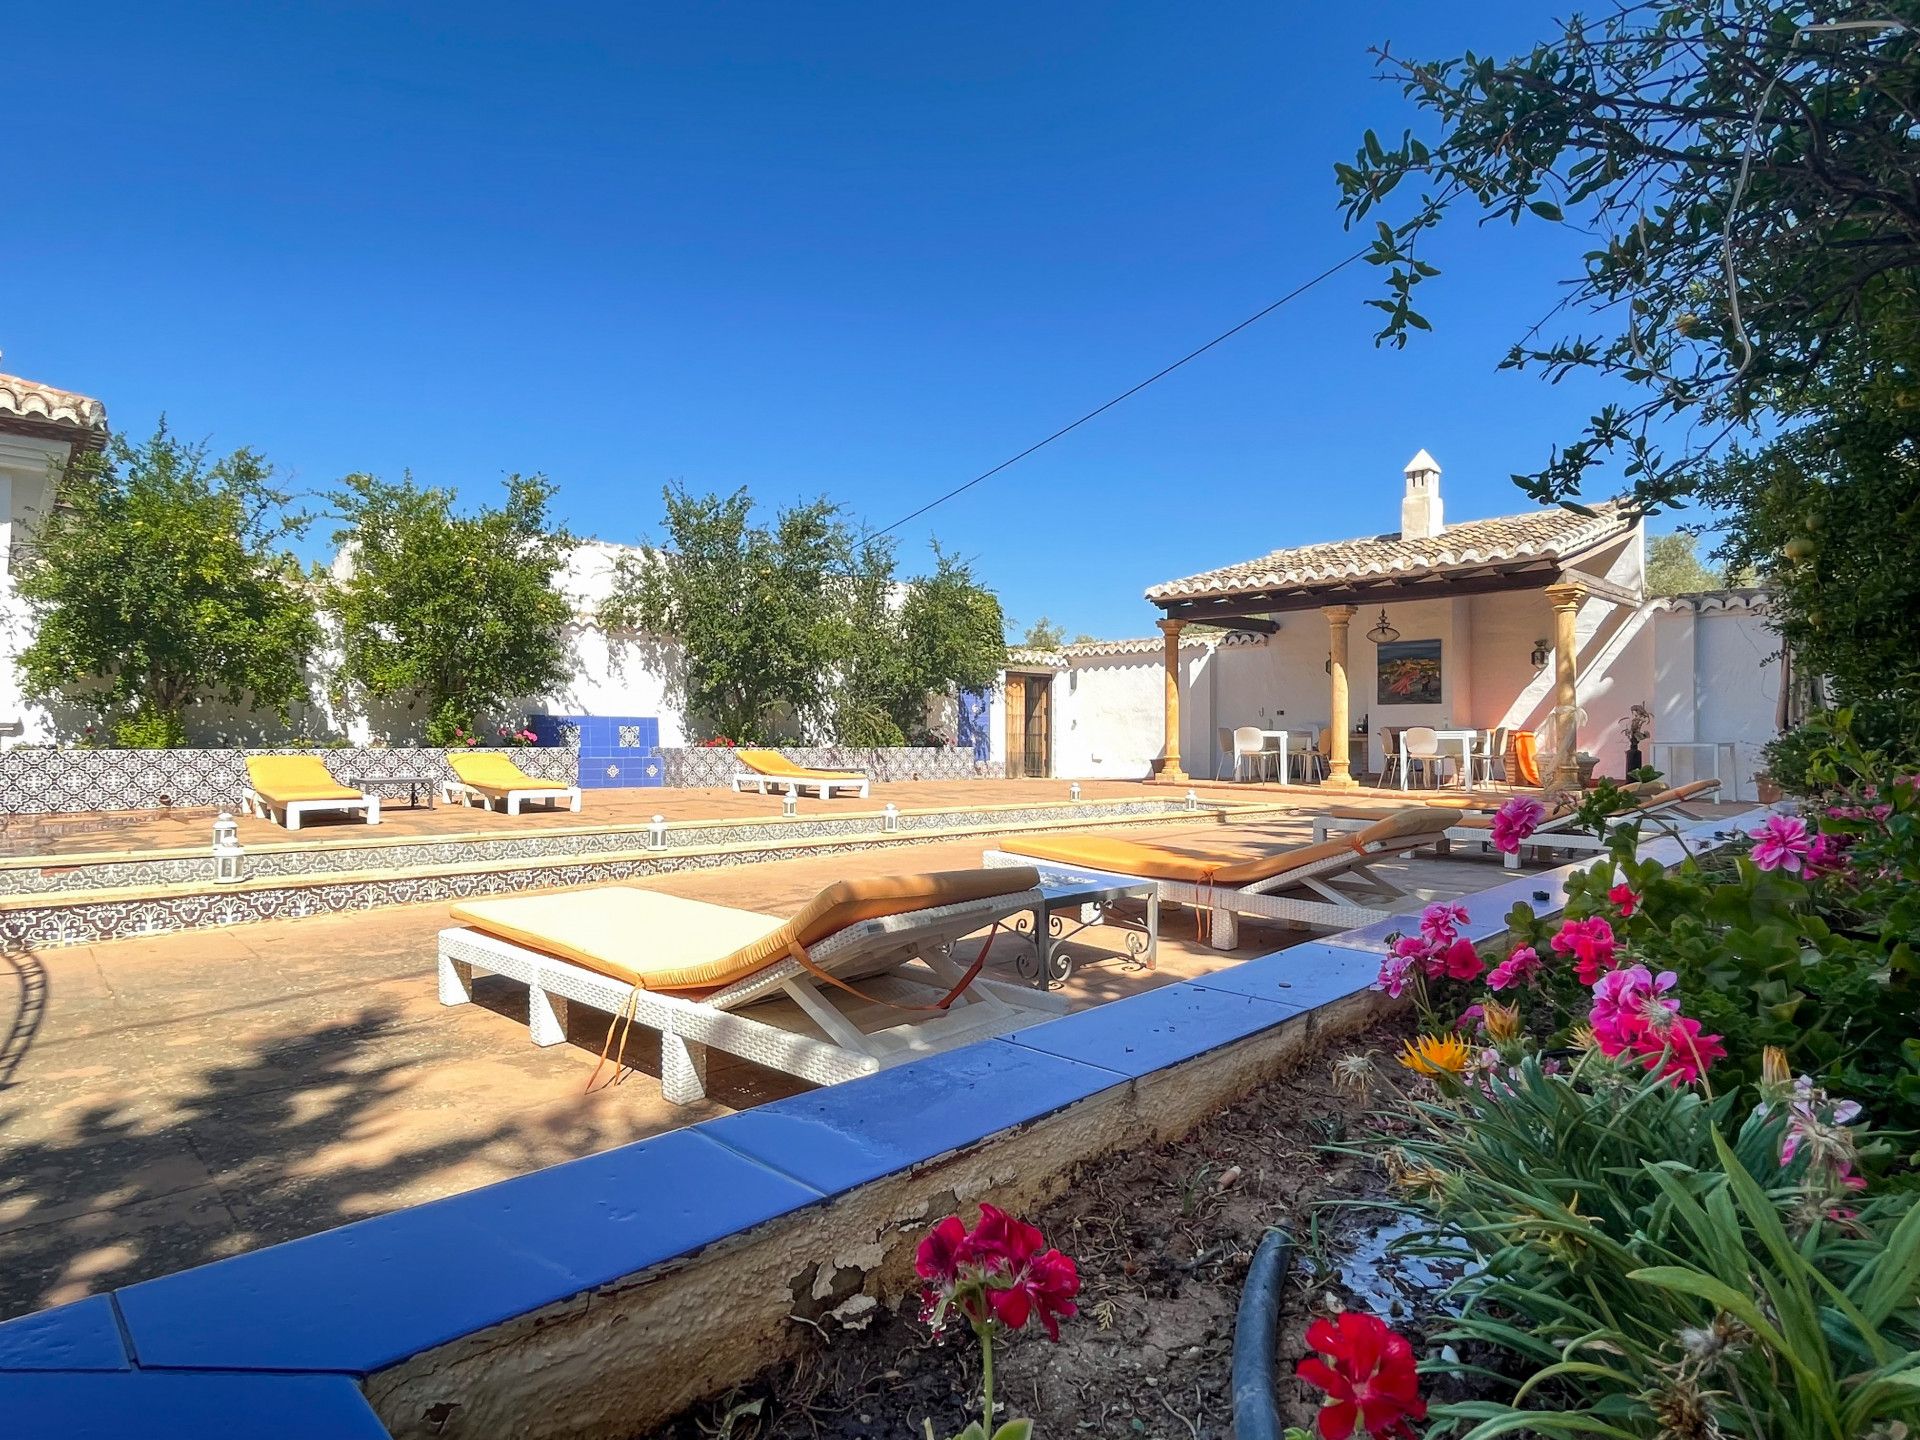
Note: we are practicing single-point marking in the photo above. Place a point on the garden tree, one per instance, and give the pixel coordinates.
(1043, 634)
(453, 612)
(1830, 511)
(1745, 169)
(951, 629)
(159, 580)
(803, 623)
(1674, 569)
(750, 607)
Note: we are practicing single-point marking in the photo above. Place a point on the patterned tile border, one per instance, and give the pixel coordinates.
(88, 917)
(51, 782)
(65, 874)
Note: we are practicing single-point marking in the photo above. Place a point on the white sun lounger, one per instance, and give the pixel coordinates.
(1561, 832)
(784, 1014)
(297, 786)
(769, 770)
(1329, 881)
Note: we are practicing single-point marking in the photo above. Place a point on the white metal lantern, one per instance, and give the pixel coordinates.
(787, 804)
(657, 833)
(890, 817)
(1193, 801)
(227, 854)
(1073, 791)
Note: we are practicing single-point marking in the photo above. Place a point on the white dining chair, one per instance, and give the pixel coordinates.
(1420, 747)
(1249, 752)
(1225, 736)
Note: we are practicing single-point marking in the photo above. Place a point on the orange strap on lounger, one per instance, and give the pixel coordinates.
(799, 953)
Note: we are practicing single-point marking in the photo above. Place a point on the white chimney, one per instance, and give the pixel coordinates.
(1421, 517)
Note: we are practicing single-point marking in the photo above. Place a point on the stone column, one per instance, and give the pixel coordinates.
(1167, 766)
(1340, 762)
(1565, 599)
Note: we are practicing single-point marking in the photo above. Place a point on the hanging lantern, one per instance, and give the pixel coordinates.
(1541, 650)
(1381, 634)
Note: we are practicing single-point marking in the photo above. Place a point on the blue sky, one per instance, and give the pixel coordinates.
(862, 250)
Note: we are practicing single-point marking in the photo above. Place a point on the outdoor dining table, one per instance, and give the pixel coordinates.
(1465, 739)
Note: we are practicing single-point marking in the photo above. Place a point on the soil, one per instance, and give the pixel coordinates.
(1163, 1237)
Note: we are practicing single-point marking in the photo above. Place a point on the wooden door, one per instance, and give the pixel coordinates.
(1016, 721)
(1038, 751)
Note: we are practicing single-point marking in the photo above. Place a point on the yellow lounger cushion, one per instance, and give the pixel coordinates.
(773, 763)
(492, 771)
(281, 779)
(1199, 864)
(660, 942)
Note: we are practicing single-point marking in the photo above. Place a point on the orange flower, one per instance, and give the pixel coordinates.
(1436, 1055)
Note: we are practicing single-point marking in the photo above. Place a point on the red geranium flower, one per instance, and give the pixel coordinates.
(1624, 900)
(1368, 1375)
(999, 1270)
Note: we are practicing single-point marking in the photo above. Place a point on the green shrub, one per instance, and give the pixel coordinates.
(1638, 1273)
(150, 728)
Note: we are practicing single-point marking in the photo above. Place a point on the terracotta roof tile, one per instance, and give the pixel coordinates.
(1537, 535)
(23, 399)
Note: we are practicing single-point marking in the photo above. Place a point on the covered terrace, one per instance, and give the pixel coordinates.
(1485, 604)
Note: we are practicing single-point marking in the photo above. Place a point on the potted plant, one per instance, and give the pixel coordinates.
(1636, 727)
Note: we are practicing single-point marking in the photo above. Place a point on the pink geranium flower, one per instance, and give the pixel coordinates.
(1781, 844)
(1682, 1053)
(1627, 1003)
(1827, 855)
(1438, 922)
(1514, 821)
(1395, 973)
(1519, 968)
(1590, 942)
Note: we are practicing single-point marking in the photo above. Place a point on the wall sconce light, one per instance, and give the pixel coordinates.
(1382, 633)
(1329, 662)
(1541, 650)
(227, 853)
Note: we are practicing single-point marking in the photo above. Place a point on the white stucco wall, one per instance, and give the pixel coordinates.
(1716, 681)
(26, 464)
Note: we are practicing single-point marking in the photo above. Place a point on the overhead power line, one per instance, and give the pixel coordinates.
(1255, 318)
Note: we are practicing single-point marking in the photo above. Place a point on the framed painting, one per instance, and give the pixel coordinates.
(1410, 672)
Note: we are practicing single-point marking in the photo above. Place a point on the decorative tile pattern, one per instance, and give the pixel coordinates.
(46, 781)
(629, 737)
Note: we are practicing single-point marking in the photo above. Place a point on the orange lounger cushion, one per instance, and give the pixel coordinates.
(1198, 865)
(492, 771)
(772, 762)
(661, 942)
(283, 779)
